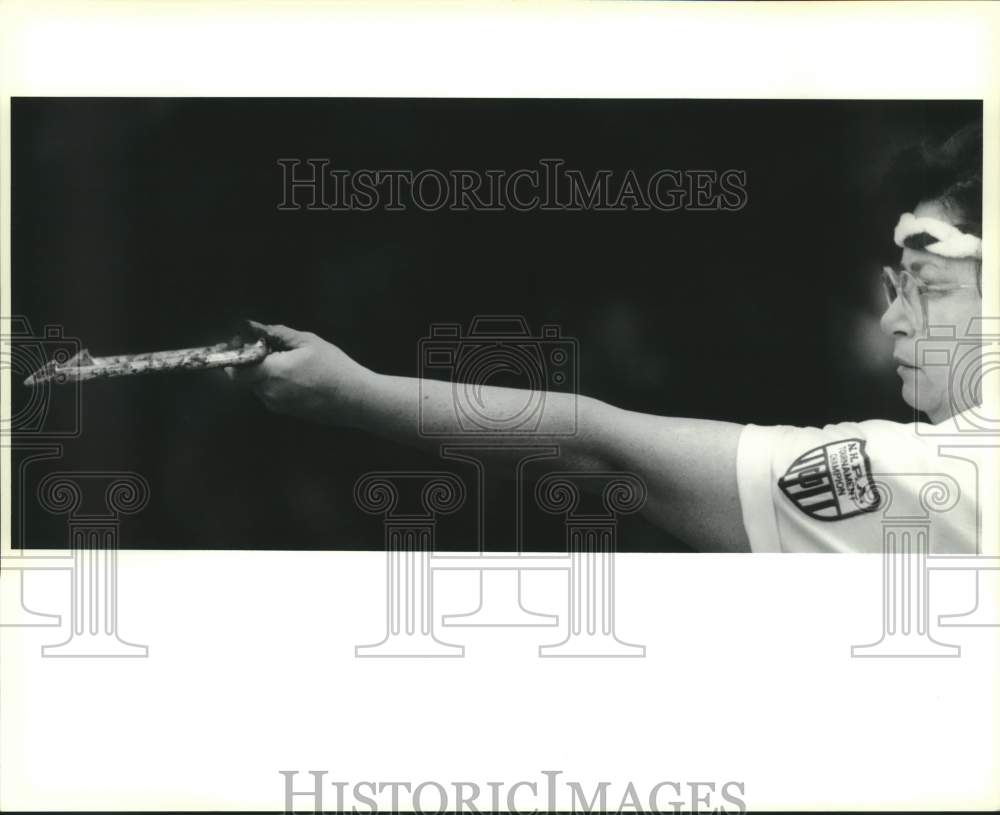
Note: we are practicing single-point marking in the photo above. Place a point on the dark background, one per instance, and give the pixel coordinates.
(142, 224)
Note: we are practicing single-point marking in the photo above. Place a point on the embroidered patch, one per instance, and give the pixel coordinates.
(832, 482)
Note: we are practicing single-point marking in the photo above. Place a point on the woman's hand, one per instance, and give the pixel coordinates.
(304, 376)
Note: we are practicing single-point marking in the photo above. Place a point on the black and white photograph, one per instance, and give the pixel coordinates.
(749, 337)
(414, 440)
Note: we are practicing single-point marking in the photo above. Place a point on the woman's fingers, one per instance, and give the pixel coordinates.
(281, 337)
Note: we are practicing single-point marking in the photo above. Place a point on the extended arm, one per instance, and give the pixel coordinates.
(688, 465)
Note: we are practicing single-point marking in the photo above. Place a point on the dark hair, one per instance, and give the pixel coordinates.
(950, 173)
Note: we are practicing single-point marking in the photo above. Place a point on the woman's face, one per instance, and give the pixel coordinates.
(930, 357)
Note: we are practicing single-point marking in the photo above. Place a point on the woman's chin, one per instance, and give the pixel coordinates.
(931, 408)
(909, 394)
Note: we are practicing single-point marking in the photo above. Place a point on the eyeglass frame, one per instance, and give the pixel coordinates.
(894, 276)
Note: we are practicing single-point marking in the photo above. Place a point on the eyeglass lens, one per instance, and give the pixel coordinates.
(901, 284)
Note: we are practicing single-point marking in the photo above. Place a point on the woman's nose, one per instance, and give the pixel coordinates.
(897, 319)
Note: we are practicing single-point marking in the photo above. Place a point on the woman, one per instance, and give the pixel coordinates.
(722, 486)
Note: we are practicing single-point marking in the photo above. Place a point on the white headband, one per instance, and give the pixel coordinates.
(951, 241)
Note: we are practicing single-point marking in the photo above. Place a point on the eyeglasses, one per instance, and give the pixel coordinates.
(899, 283)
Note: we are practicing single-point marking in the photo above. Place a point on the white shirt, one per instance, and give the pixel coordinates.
(840, 487)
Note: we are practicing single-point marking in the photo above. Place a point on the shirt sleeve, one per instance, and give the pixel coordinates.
(839, 487)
